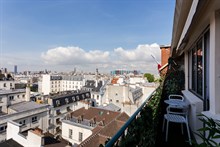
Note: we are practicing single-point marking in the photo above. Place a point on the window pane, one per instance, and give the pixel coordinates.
(194, 69)
(199, 68)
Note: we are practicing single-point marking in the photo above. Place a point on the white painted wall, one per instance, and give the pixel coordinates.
(31, 140)
(76, 129)
(6, 85)
(13, 130)
(214, 62)
(46, 84)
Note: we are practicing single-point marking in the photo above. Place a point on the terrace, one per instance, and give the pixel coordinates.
(144, 128)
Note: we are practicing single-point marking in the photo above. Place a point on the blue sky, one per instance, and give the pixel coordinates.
(105, 34)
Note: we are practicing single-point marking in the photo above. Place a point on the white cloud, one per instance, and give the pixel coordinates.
(74, 55)
(141, 53)
(139, 58)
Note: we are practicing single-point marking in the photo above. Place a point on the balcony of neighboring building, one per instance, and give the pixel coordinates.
(58, 131)
(68, 109)
(58, 122)
(58, 112)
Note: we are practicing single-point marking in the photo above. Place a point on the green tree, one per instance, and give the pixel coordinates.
(149, 77)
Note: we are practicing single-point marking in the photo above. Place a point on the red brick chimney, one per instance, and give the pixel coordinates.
(165, 54)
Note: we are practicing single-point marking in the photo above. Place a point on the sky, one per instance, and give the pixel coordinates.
(60, 35)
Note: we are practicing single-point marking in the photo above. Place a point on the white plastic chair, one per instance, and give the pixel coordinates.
(176, 97)
(176, 117)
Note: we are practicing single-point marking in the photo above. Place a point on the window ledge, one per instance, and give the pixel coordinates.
(211, 115)
(34, 122)
(192, 99)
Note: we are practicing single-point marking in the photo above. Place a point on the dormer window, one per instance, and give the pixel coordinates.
(87, 95)
(77, 97)
(73, 98)
(67, 100)
(83, 96)
(57, 102)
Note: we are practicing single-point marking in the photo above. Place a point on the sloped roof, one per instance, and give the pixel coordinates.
(99, 114)
(101, 135)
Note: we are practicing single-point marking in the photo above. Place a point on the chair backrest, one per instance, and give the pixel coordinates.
(175, 96)
(177, 111)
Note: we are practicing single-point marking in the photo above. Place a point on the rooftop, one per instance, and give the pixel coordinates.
(97, 113)
(12, 91)
(10, 143)
(101, 134)
(24, 106)
(111, 107)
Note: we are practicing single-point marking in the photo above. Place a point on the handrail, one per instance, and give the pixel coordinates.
(125, 126)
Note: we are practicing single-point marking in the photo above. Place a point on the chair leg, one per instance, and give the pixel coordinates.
(167, 129)
(187, 126)
(182, 127)
(163, 124)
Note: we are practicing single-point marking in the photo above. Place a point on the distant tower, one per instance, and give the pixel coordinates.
(15, 69)
(74, 70)
(97, 71)
(5, 70)
(28, 91)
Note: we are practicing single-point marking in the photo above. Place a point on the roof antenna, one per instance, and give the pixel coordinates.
(158, 64)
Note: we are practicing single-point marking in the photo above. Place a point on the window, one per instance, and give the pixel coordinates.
(58, 121)
(58, 112)
(80, 136)
(87, 95)
(3, 128)
(57, 102)
(97, 97)
(4, 84)
(23, 122)
(34, 119)
(17, 96)
(77, 97)
(73, 98)
(66, 100)
(199, 68)
(0, 99)
(68, 108)
(70, 133)
(117, 101)
(11, 98)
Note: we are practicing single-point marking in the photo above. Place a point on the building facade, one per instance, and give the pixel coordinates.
(82, 124)
(16, 106)
(61, 105)
(196, 41)
(57, 83)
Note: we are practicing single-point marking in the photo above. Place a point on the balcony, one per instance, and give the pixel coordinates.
(58, 113)
(58, 122)
(144, 128)
(68, 110)
(51, 126)
(58, 131)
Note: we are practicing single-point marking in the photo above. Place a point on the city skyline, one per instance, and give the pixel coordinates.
(63, 35)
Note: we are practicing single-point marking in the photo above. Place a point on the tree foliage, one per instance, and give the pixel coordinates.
(149, 77)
